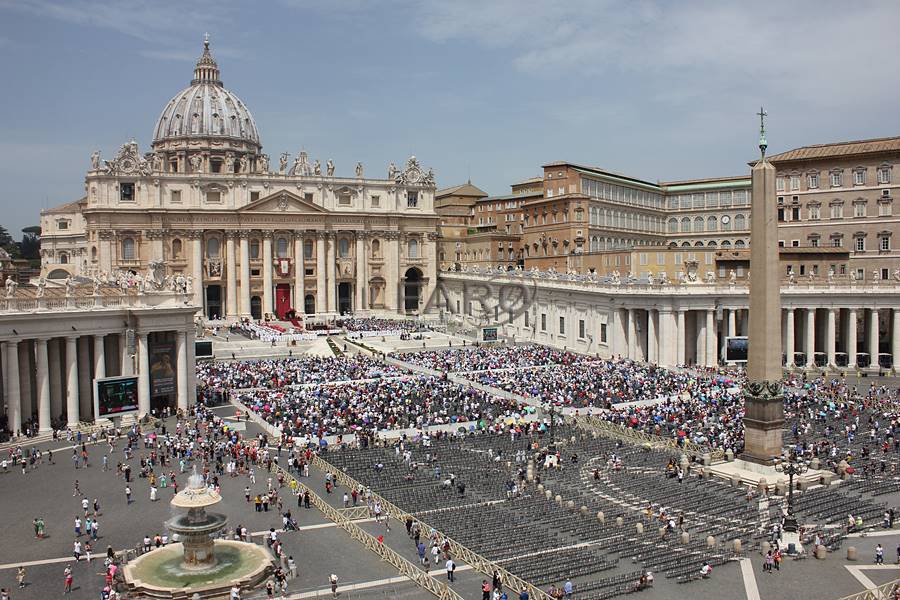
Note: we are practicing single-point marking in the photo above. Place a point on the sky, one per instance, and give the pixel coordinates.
(487, 90)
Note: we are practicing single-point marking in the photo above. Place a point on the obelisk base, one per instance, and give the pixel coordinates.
(763, 422)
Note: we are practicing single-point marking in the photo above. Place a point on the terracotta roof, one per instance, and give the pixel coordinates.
(816, 151)
(465, 189)
(68, 207)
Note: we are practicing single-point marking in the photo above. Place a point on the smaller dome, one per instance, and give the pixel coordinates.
(206, 109)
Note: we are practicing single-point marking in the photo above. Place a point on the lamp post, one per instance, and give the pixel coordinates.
(791, 465)
(549, 408)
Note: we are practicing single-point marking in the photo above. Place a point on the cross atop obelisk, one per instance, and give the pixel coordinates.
(763, 399)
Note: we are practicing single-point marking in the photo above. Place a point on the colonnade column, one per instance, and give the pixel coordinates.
(143, 375)
(127, 362)
(852, 328)
(85, 396)
(99, 360)
(197, 266)
(181, 370)
(361, 275)
(72, 381)
(43, 385)
(632, 334)
(789, 337)
(231, 305)
(330, 273)
(320, 272)
(299, 274)
(190, 339)
(665, 334)
(895, 339)
(12, 391)
(679, 338)
(267, 273)
(56, 395)
(810, 337)
(244, 244)
(830, 335)
(712, 360)
(700, 338)
(652, 341)
(873, 338)
(732, 322)
(26, 356)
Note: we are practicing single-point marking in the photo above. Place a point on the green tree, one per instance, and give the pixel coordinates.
(30, 246)
(8, 243)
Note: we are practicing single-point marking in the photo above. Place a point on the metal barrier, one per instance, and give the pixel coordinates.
(464, 554)
(887, 591)
(406, 568)
(633, 436)
(355, 513)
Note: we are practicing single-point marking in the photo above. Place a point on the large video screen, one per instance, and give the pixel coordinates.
(736, 349)
(203, 349)
(116, 396)
(489, 334)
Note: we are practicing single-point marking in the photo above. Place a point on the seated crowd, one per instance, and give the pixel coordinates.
(363, 406)
(481, 358)
(373, 324)
(604, 383)
(280, 372)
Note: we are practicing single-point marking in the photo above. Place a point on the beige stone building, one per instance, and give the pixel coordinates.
(252, 239)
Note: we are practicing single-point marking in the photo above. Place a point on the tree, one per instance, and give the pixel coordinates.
(8, 243)
(30, 246)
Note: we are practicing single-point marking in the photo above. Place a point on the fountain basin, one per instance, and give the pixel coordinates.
(160, 573)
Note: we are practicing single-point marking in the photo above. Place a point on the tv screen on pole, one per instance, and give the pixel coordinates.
(736, 349)
(489, 334)
(203, 349)
(114, 396)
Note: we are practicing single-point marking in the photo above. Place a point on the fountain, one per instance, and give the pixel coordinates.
(198, 562)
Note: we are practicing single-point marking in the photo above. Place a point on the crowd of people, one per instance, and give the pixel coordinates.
(482, 358)
(365, 406)
(605, 383)
(280, 372)
(374, 324)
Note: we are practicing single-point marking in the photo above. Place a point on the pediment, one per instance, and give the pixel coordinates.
(282, 201)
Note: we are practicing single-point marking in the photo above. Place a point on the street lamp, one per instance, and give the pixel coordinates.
(791, 465)
(549, 409)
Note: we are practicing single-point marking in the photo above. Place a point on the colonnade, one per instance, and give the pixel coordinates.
(51, 378)
(832, 337)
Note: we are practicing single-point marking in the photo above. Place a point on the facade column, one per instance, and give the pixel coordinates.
(712, 360)
(267, 274)
(72, 404)
(190, 338)
(361, 275)
(895, 339)
(810, 338)
(181, 370)
(732, 322)
(99, 360)
(143, 375)
(852, 329)
(700, 338)
(392, 270)
(789, 337)
(197, 267)
(85, 369)
(231, 305)
(664, 336)
(320, 272)
(652, 341)
(679, 338)
(12, 390)
(632, 334)
(244, 244)
(873, 338)
(55, 365)
(830, 335)
(330, 273)
(299, 274)
(127, 360)
(43, 385)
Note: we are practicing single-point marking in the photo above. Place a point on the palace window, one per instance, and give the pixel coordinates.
(126, 192)
(413, 249)
(812, 181)
(837, 210)
(740, 222)
(543, 321)
(62, 224)
(859, 209)
(884, 175)
(836, 179)
(885, 208)
(884, 242)
(376, 201)
(212, 248)
(344, 199)
(814, 212)
(213, 197)
(307, 249)
(859, 243)
(343, 248)
(63, 258)
(779, 184)
(128, 249)
(175, 197)
(412, 199)
(254, 249)
(859, 177)
(281, 247)
(562, 326)
(795, 182)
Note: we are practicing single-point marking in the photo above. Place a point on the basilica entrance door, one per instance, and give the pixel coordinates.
(214, 301)
(345, 298)
(282, 299)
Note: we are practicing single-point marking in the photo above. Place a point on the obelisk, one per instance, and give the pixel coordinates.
(763, 396)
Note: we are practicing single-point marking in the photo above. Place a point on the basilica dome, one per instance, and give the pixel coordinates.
(206, 111)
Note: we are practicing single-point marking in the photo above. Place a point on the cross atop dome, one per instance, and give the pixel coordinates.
(207, 70)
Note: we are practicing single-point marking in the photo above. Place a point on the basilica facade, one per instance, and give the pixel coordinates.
(252, 238)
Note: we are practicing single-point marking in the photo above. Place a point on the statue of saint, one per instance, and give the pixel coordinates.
(317, 167)
(359, 170)
(95, 160)
(282, 163)
(329, 168)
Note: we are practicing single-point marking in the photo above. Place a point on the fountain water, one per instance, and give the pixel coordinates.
(198, 563)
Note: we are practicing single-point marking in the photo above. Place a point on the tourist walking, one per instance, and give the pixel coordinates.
(20, 576)
(333, 579)
(67, 574)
